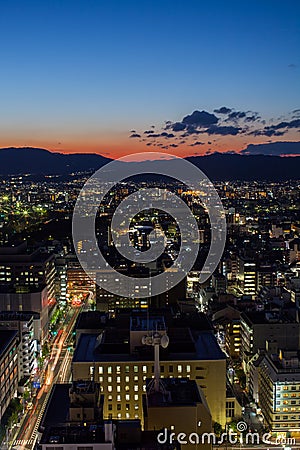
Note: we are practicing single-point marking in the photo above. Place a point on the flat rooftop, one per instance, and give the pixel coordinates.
(144, 323)
(57, 409)
(178, 392)
(74, 435)
(268, 317)
(200, 346)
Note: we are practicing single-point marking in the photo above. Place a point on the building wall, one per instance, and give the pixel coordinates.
(280, 400)
(8, 375)
(123, 383)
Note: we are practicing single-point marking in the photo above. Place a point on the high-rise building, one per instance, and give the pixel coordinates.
(247, 276)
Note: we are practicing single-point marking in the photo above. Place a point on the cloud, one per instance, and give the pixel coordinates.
(222, 110)
(197, 143)
(177, 126)
(235, 115)
(265, 132)
(292, 124)
(277, 130)
(200, 119)
(223, 130)
(273, 149)
(231, 122)
(163, 134)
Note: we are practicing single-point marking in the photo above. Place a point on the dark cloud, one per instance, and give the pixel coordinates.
(135, 135)
(235, 115)
(197, 143)
(167, 135)
(265, 132)
(273, 148)
(200, 119)
(164, 134)
(223, 130)
(292, 124)
(254, 117)
(177, 126)
(222, 110)
(132, 131)
(276, 130)
(148, 132)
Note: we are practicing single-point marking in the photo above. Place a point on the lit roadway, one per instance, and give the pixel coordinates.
(58, 371)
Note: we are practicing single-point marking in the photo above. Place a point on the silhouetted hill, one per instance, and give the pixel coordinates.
(217, 166)
(229, 166)
(40, 161)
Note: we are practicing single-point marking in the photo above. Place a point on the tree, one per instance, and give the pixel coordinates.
(217, 428)
(45, 350)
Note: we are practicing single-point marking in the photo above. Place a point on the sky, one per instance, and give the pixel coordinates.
(197, 77)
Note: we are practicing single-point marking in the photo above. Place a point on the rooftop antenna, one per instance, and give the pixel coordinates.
(156, 339)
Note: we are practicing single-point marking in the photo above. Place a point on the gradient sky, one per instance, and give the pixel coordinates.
(78, 76)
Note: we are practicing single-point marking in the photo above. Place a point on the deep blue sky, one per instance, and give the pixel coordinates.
(81, 74)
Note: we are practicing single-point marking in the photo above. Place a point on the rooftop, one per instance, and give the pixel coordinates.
(200, 346)
(178, 392)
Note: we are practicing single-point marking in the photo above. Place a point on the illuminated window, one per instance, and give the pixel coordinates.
(109, 388)
(179, 368)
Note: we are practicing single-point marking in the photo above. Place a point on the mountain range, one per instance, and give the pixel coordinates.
(217, 166)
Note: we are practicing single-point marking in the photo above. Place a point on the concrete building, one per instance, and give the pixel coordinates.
(279, 390)
(247, 276)
(259, 327)
(8, 367)
(73, 420)
(24, 323)
(118, 360)
(36, 301)
(179, 406)
(24, 270)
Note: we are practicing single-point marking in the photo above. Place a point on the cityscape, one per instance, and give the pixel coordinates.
(150, 238)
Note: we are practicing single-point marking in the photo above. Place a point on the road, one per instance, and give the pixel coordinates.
(58, 371)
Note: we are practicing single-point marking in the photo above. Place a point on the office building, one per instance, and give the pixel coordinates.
(8, 367)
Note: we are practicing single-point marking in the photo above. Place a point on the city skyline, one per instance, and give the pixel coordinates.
(93, 77)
